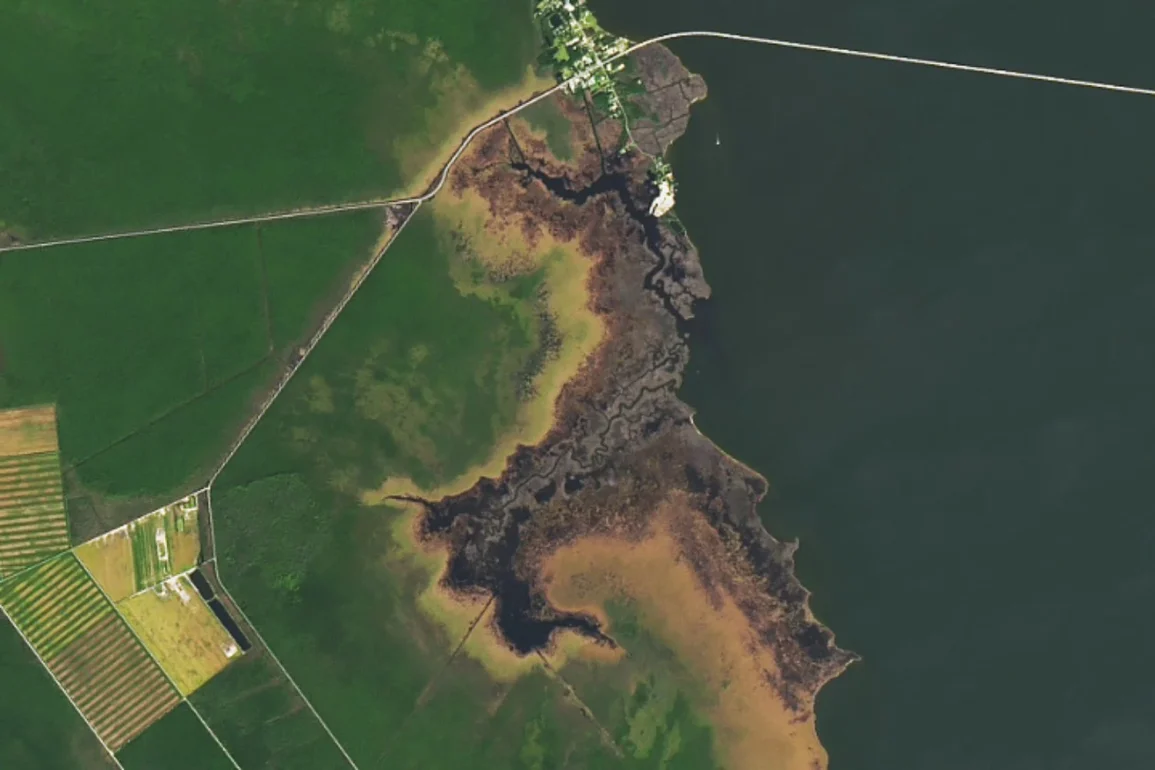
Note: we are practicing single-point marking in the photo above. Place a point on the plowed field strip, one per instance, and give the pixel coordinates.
(129, 728)
(54, 604)
(33, 516)
(113, 681)
(74, 661)
(20, 478)
(15, 522)
(33, 460)
(36, 541)
(43, 462)
(30, 430)
(20, 593)
(10, 498)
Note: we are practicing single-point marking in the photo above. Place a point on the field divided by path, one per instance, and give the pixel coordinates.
(33, 520)
(88, 648)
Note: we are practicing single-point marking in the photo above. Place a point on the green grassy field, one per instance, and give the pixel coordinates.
(261, 720)
(177, 742)
(155, 348)
(416, 380)
(465, 719)
(38, 727)
(545, 116)
(213, 108)
(647, 701)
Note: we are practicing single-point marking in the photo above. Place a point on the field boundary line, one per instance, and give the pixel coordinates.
(52, 676)
(376, 203)
(326, 324)
(124, 526)
(309, 704)
(136, 636)
(189, 703)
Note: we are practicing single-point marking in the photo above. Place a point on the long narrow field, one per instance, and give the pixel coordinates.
(88, 648)
(33, 520)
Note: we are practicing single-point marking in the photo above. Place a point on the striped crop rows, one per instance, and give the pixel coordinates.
(33, 522)
(89, 649)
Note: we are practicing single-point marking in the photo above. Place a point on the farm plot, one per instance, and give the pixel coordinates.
(204, 322)
(164, 543)
(33, 521)
(259, 717)
(144, 552)
(88, 648)
(181, 631)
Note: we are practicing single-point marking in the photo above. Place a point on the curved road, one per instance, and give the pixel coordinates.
(337, 208)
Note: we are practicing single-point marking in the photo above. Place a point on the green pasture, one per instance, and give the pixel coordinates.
(648, 701)
(416, 379)
(547, 116)
(39, 728)
(156, 348)
(257, 715)
(177, 742)
(147, 112)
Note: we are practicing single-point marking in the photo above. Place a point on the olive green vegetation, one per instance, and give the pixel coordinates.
(177, 742)
(147, 112)
(546, 116)
(154, 348)
(646, 701)
(260, 719)
(465, 719)
(416, 379)
(39, 728)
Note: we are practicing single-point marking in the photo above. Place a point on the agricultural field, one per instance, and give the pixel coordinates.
(39, 728)
(181, 632)
(177, 742)
(88, 648)
(165, 345)
(33, 520)
(224, 108)
(146, 551)
(260, 719)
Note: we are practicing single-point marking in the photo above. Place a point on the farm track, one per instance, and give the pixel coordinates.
(89, 649)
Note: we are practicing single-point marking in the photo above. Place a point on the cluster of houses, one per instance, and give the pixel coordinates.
(583, 57)
(580, 48)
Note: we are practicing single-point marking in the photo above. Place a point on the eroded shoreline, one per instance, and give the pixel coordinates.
(623, 452)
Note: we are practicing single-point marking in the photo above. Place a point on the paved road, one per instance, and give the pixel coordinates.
(338, 208)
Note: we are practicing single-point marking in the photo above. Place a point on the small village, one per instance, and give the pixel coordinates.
(583, 56)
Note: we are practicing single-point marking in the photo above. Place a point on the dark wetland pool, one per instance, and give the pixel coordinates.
(931, 330)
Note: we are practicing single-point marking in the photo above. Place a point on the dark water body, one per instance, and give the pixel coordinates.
(205, 589)
(933, 329)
